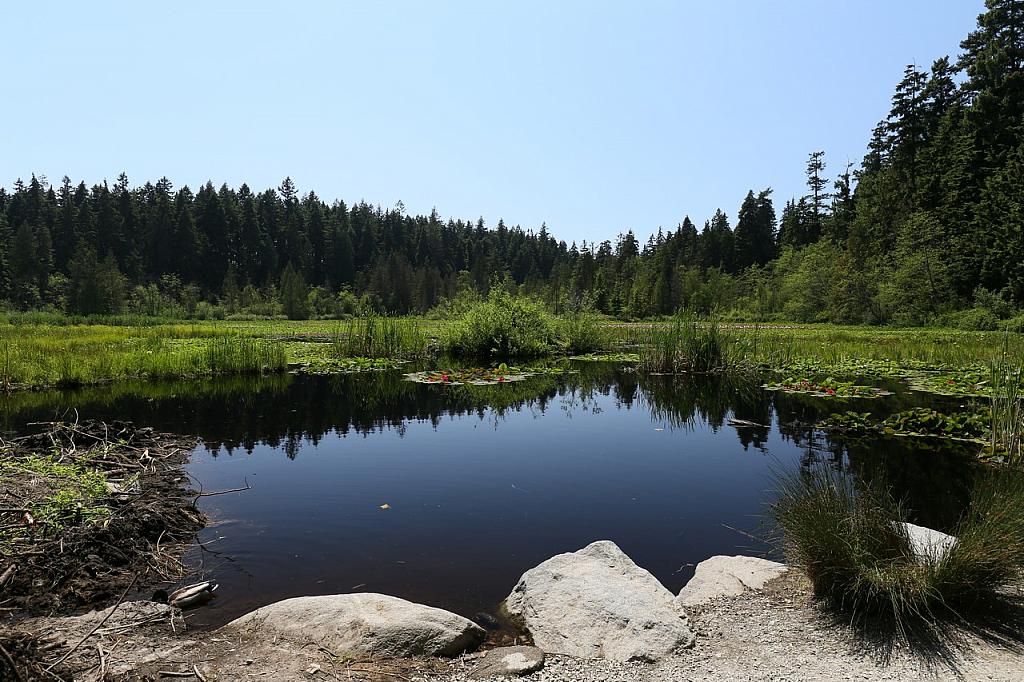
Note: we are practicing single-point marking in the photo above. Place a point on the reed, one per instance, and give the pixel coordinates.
(377, 336)
(688, 344)
(1007, 408)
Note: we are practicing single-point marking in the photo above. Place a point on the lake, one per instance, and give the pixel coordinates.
(445, 495)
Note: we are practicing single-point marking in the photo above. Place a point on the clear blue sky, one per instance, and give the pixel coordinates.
(593, 116)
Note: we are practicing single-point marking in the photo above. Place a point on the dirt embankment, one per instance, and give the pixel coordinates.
(88, 512)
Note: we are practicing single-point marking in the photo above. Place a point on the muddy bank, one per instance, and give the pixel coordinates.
(89, 512)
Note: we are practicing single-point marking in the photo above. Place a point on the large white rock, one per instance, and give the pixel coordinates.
(596, 603)
(365, 623)
(928, 544)
(726, 576)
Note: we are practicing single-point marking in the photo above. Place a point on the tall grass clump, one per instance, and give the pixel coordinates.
(582, 332)
(847, 538)
(240, 355)
(502, 326)
(1007, 408)
(376, 336)
(688, 344)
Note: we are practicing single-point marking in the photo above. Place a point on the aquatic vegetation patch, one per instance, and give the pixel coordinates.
(607, 357)
(476, 376)
(967, 382)
(969, 426)
(377, 336)
(690, 344)
(329, 365)
(827, 388)
(319, 358)
(852, 367)
(582, 332)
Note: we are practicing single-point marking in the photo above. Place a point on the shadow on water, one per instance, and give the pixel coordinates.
(482, 483)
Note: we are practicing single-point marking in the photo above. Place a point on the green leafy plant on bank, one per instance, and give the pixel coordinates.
(69, 493)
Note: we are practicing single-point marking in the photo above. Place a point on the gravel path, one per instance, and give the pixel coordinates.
(776, 635)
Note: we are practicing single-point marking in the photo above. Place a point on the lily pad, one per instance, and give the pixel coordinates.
(473, 377)
(607, 357)
(827, 388)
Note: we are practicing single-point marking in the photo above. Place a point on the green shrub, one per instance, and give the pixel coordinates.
(977, 320)
(847, 539)
(1014, 324)
(582, 332)
(501, 326)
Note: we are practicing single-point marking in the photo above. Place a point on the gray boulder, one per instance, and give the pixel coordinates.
(365, 623)
(928, 544)
(597, 603)
(725, 576)
(509, 661)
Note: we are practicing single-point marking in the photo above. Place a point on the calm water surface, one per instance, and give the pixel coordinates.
(483, 483)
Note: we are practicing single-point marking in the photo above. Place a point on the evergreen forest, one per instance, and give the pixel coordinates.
(927, 229)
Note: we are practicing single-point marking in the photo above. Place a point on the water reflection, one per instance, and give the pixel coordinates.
(484, 482)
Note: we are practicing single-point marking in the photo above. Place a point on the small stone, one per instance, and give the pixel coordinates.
(510, 661)
(928, 544)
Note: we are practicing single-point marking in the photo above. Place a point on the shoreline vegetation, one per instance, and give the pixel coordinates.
(830, 363)
(65, 352)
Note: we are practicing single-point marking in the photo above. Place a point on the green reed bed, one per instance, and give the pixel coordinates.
(688, 344)
(33, 356)
(1007, 409)
(377, 336)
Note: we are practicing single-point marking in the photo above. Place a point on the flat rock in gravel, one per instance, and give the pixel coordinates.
(928, 543)
(365, 623)
(509, 661)
(728, 576)
(597, 603)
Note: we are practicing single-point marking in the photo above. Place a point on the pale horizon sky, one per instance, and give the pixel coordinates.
(594, 117)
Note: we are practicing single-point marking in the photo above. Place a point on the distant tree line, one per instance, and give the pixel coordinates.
(929, 228)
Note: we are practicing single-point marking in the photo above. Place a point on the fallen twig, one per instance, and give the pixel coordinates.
(222, 492)
(10, 662)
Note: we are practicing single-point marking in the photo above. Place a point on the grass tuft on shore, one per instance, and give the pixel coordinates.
(847, 538)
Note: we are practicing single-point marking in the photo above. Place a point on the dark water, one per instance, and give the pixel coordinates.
(486, 482)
